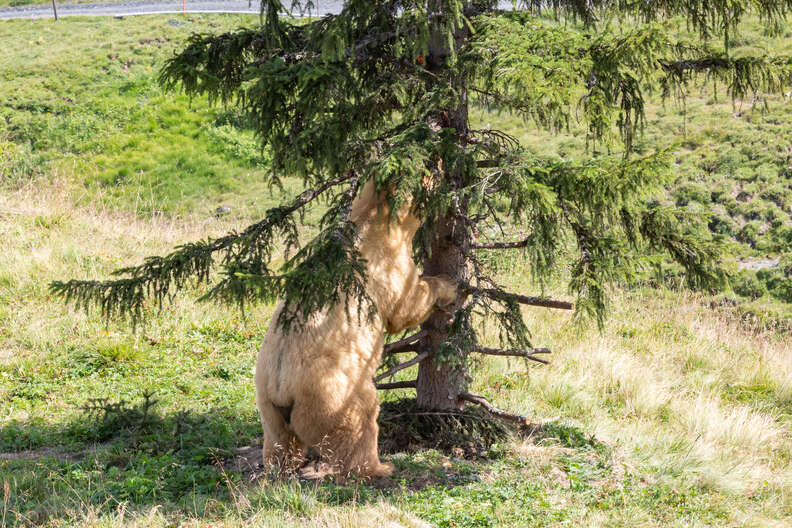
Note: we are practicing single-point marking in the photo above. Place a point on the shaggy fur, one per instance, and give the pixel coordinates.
(314, 385)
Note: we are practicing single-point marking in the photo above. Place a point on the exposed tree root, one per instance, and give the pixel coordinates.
(480, 400)
(469, 433)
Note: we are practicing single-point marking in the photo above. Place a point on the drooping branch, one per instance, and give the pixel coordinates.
(328, 271)
(417, 359)
(527, 354)
(189, 263)
(409, 384)
(524, 299)
(408, 344)
(480, 400)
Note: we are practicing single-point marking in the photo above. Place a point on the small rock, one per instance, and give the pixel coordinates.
(758, 263)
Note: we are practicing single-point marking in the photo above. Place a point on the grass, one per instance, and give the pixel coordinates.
(107, 123)
(678, 414)
(674, 416)
(733, 161)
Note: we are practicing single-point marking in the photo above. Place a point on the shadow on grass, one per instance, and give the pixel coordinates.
(118, 453)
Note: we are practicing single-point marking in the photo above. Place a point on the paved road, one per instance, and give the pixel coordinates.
(145, 7)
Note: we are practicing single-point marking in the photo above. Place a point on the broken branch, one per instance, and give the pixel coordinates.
(524, 299)
(408, 344)
(402, 366)
(480, 400)
(500, 245)
(410, 384)
(527, 354)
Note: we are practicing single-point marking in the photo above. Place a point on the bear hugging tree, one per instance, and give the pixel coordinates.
(314, 384)
(343, 97)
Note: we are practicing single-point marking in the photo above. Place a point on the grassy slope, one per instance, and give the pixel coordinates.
(733, 160)
(674, 416)
(80, 101)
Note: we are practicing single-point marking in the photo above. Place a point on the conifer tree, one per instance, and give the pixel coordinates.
(381, 92)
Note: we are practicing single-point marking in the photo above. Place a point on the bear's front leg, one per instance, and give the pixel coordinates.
(418, 302)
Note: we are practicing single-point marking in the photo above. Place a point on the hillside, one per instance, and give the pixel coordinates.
(733, 161)
(675, 415)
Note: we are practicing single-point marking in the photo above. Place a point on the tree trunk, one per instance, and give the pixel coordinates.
(440, 383)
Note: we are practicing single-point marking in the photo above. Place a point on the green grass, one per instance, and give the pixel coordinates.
(82, 102)
(733, 161)
(678, 414)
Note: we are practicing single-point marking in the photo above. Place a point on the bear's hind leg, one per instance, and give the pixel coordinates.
(281, 447)
(364, 458)
(346, 439)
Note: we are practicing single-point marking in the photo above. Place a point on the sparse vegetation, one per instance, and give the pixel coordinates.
(678, 414)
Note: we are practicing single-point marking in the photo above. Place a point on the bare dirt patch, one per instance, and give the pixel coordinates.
(44, 452)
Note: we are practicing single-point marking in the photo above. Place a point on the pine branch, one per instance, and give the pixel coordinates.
(480, 400)
(402, 366)
(326, 272)
(160, 277)
(411, 384)
(408, 344)
(540, 69)
(527, 354)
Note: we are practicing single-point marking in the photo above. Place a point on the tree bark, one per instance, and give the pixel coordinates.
(439, 383)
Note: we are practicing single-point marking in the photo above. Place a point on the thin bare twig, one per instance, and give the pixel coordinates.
(408, 344)
(527, 354)
(495, 217)
(402, 366)
(410, 384)
(500, 245)
(480, 400)
(524, 299)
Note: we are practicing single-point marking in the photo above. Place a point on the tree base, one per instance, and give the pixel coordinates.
(469, 433)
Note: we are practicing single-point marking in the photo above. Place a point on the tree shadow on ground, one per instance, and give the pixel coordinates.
(122, 453)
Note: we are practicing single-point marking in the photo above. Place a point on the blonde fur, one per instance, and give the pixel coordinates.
(314, 384)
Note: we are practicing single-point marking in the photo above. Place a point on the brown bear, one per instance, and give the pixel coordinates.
(314, 384)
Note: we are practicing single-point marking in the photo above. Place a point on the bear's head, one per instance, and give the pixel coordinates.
(371, 206)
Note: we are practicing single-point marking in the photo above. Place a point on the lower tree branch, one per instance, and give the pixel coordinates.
(524, 299)
(500, 245)
(158, 276)
(527, 354)
(402, 366)
(410, 384)
(481, 400)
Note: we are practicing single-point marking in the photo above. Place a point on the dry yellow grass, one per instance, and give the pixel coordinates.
(679, 387)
